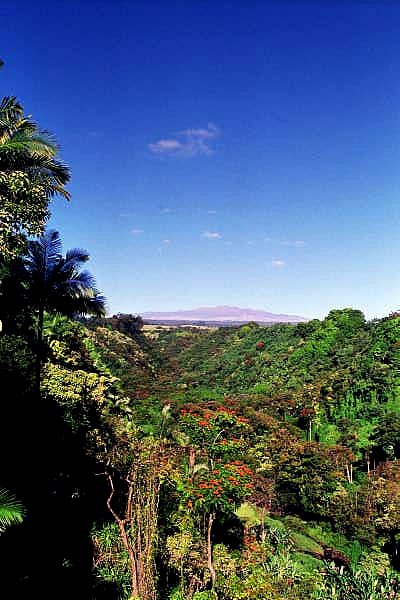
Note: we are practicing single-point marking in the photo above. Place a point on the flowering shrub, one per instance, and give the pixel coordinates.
(219, 488)
(221, 431)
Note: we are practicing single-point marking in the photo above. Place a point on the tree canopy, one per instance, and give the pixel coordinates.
(30, 175)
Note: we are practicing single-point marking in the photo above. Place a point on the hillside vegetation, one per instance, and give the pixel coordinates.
(237, 463)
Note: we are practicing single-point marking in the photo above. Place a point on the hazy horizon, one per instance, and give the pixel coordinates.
(189, 309)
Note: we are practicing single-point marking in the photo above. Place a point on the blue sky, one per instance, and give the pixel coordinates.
(242, 153)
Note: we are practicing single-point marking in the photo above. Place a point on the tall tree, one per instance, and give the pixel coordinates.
(57, 284)
(30, 175)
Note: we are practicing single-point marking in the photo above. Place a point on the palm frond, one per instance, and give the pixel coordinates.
(10, 109)
(45, 251)
(75, 256)
(12, 510)
(84, 281)
(23, 146)
(57, 283)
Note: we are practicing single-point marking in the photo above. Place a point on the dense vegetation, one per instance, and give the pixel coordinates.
(251, 462)
(182, 464)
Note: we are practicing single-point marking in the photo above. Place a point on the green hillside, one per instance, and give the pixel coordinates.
(312, 412)
(234, 463)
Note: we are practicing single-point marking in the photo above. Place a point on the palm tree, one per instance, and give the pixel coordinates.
(58, 285)
(24, 147)
(30, 175)
(11, 510)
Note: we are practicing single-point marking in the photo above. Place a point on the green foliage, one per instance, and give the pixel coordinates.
(206, 595)
(359, 585)
(16, 361)
(248, 514)
(11, 510)
(30, 175)
(253, 449)
(111, 558)
(24, 210)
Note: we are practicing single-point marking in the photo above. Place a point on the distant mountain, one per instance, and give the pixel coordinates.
(222, 314)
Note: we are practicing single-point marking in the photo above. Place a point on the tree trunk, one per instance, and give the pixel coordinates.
(39, 349)
(263, 535)
(124, 537)
(210, 563)
(138, 527)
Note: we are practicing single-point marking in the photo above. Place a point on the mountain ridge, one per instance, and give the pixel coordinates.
(222, 313)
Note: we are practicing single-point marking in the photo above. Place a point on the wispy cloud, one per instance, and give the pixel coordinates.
(277, 263)
(187, 143)
(166, 211)
(211, 212)
(167, 146)
(294, 243)
(209, 133)
(136, 231)
(166, 242)
(212, 235)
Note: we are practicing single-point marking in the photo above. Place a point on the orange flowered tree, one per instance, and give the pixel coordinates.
(218, 434)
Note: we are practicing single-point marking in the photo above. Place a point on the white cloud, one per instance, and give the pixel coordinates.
(167, 242)
(209, 133)
(165, 146)
(137, 231)
(212, 235)
(166, 211)
(278, 264)
(187, 143)
(294, 243)
(211, 212)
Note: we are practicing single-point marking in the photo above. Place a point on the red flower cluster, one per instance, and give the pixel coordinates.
(227, 411)
(189, 411)
(307, 412)
(214, 485)
(240, 468)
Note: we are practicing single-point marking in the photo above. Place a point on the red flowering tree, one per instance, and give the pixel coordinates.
(219, 431)
(219, 435)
